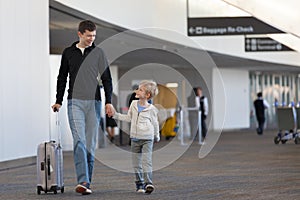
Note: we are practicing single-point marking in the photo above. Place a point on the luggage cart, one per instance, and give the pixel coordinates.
(287, 125)
(297, 136)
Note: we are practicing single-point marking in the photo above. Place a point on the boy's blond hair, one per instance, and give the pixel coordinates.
(150, 87)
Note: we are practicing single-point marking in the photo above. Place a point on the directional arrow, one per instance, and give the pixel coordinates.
(191, 30)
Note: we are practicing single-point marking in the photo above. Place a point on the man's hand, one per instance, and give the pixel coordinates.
(109, 110)
(56, 107)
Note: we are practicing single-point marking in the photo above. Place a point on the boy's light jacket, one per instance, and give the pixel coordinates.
(144, 125)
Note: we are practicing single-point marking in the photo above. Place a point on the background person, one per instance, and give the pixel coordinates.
(131, 96)
(110, 122)
(197, 100)
(202, 104)
(260, 105)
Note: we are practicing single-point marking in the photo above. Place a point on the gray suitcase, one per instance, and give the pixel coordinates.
(50, 166)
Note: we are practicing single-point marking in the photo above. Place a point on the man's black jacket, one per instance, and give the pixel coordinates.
(83, 70)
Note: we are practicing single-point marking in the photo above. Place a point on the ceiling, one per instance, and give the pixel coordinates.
(63, 28)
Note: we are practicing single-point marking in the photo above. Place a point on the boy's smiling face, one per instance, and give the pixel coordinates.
(141, 93)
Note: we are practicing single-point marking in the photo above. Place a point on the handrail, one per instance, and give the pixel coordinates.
(199, 124)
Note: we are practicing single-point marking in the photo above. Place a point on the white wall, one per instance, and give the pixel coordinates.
(24, 76)
(233, 110)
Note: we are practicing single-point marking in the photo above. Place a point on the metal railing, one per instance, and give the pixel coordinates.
(181, 126)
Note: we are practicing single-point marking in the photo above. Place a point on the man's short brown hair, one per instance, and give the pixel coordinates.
(86, 25)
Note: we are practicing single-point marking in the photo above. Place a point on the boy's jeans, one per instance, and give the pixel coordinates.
(142, 160)
(84, 118)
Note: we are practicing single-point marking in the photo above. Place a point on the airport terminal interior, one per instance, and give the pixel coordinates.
(231, 49)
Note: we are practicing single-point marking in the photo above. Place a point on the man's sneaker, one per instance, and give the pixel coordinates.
(87, 191)
(140, 188)
(149, 188)
(83, 189)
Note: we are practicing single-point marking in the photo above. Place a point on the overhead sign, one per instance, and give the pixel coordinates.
(254, 44)
(215, 26)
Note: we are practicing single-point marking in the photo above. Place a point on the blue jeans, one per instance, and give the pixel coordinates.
(142, 160)
(84, 118)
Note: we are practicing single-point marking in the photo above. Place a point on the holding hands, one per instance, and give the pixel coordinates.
(110, 110)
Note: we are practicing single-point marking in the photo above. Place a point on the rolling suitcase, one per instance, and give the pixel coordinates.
(50, 165)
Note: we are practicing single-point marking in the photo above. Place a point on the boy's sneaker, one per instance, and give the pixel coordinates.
(83, 189)
(149, 188)
(140, 188)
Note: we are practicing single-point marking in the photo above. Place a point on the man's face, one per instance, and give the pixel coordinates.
(87, 38)
(199, 92)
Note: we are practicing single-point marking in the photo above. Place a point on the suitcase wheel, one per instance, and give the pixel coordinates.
(276, 140)
(38, 189)
(283, 141)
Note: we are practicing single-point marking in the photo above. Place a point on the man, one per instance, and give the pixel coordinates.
(202, 104)
(83, 62)
(260, 105)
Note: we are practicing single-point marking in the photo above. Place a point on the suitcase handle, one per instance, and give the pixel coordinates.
(57, 122)
(49, 167)
(58, 129)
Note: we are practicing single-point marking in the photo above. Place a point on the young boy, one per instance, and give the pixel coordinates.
(144, 131)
